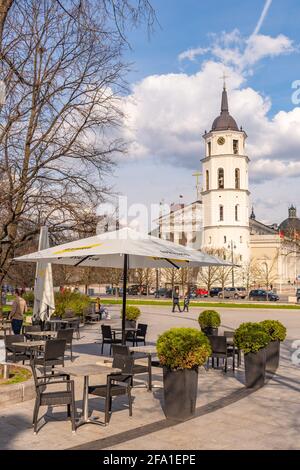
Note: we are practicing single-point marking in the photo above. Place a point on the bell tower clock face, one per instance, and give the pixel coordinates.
(221, 141)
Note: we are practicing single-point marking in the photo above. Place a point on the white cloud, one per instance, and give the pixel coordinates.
(242, 53)
(191, 54)
(167, 114)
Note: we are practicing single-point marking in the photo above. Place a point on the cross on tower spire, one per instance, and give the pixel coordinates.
(224, 76)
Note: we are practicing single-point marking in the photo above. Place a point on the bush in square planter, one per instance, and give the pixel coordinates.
(209, 321)
(277, 333)
(181, 351)
(252, 339)
(132, 314)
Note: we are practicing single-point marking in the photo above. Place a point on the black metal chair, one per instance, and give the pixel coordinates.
(44, 397)
(53, 354)
(231, 347)
(220, 350)
(108, 337)
(15, 353)
(116, 385)
(122, 350)
(67, 334)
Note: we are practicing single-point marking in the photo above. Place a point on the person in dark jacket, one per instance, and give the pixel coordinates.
(186, 302)
(176, 300)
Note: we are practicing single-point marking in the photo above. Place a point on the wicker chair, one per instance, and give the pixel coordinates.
(28, 329)
(231, 347)
(67, 334)
(44, 397)
(117, 384)
(53, 354)
(108, 337)
(139, 336)
(75, 324)
(137, 368)
(15, 353)
(220, 350)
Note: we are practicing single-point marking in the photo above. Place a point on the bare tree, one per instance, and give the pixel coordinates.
(57, 128)
(268, 271)
(145, 278)
(170, 276)
(250, 274)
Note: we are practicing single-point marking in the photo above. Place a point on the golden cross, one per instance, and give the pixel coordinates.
(224, 79)
(197, 174)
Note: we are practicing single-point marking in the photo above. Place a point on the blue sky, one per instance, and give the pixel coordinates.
(176, 99)
(189, 23)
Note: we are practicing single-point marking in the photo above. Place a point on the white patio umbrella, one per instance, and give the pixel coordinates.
(124, 249)
(43, 287)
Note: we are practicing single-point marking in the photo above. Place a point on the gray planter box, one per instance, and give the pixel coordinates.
(255, 369)
(272, 356)
(180, 393)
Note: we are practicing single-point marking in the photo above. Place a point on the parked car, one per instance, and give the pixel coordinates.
(260, 294)
(233, 293)
(298, 295)
(201, 292)
(163, 292)
(133, 290)
(214, 291)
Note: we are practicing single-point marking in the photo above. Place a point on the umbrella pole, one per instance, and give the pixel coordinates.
(125, 269)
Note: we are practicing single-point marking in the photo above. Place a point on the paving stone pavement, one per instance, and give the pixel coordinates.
(228, 416)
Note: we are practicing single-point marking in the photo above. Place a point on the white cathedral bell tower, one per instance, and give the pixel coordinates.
(225, 194)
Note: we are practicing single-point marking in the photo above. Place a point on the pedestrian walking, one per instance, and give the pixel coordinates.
(186, 302)
(18, 309)
(176, 300)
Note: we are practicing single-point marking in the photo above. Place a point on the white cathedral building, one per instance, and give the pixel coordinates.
(221, 218)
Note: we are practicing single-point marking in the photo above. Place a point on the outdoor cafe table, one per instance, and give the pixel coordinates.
(85, 371)
(149, 351)
(31, 345)
(46, 333)
(53, 323)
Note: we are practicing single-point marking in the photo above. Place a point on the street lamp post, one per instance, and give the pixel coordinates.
(232, 247)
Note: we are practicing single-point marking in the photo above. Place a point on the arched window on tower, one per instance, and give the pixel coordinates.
(221, 213)
(221, 178)
(207, 179)
(237, 178)
(209, 149)
(236, 213)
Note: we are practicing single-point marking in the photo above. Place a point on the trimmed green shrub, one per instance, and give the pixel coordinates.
(70, 300)
(209, 318)
(132, 312)
(275, 329)
(251, 337)
(183, 348)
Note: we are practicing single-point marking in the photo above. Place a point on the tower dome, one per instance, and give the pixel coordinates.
(291, 226)
(225, 121)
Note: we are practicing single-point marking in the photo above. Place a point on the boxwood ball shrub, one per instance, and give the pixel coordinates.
(183, 348)
(275, 329)
(209, 318)
(251, 337)
(132, 312)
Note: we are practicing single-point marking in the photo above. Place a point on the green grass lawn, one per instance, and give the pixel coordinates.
(16, 375)
(202, 304)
